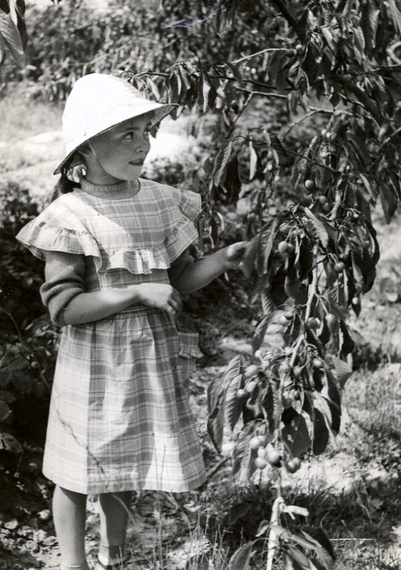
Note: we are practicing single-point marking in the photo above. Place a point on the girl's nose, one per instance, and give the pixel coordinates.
(144, 144)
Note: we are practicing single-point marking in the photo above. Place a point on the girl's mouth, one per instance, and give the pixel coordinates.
(136, 162)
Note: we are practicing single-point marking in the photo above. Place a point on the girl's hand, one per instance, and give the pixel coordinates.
(159, 296)
(234, 254)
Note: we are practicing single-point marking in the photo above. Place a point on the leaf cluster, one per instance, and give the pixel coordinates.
(28, 340)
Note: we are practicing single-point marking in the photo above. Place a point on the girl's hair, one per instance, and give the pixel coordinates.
(63, 186)
(65, 183)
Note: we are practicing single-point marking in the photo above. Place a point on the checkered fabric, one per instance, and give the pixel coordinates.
(120, 417)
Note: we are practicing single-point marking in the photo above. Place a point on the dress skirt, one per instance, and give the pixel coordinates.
(120, 417)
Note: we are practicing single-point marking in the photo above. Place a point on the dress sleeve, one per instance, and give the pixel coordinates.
(58, 228)
(183, 231)
(64, 280)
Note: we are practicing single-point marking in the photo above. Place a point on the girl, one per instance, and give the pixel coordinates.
(116, 264)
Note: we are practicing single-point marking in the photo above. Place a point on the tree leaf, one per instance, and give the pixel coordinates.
(4, 411)
(323, 547)
(203, 91)
(236, 72)
(241, 558)
(321, 435)
(253, 161)
(395, 13)
(297, 558)
(232, 181)
(221, 161)
(9, 443)
(342, 370)
(233, 406)
(243, 466)
(215, 423)
(21, 381)
(7, 396)
(232, 382)
(319, 227)
(296, 435)
(10, 36)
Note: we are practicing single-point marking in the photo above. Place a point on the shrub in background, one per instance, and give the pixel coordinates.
(27, 338)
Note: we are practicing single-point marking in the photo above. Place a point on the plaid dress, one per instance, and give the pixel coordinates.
(119, 416)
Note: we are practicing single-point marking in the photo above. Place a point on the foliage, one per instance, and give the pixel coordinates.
(310, 262)
(314, 260)
(27, 339)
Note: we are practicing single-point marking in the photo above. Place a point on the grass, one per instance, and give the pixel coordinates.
(21, 116)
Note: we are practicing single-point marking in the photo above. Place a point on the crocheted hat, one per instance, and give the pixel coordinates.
(98, 102)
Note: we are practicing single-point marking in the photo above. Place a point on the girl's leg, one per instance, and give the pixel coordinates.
(69, 514)
(114, 513)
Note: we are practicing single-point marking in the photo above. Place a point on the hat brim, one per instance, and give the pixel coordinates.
(159, 113)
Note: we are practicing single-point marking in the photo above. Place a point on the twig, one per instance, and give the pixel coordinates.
(216, 467)
(246, 57)
(388, 139)
(304, 117)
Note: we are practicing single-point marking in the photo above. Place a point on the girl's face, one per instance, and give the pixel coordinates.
(119, 153)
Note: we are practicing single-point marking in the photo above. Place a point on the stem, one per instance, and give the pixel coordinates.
(312, 293)
(267, 50)
(273, 542)
(307, 116)
(388, 139)
(263, 93)
(296, 348)
(337, 204)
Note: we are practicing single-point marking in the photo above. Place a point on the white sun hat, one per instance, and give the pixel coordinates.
(98, 102)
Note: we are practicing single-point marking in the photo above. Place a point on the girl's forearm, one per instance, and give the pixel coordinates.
(200, 273)
(96, 305)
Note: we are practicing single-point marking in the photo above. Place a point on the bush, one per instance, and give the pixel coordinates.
(27, 337)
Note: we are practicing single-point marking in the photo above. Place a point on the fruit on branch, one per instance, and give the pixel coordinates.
(262, 452)
(339, 266)
(297, 371)
(317, 363)
(312, 323)
(255, 442)
(310, 185)
(260, 463)
(293, 465)
(331, 320)
(284, 321)
(283, 247)
(250, 387)
(228, 447)
(251, 371)
(273, 456)
(242, 394)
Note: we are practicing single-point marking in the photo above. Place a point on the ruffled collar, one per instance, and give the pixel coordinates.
(119, 191)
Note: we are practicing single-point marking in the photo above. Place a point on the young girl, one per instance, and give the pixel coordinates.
(117, 263)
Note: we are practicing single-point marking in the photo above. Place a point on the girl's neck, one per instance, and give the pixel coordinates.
(118, 190)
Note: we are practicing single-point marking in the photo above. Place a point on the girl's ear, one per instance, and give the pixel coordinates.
(76, 169)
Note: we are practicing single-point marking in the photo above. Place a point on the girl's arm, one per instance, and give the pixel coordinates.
(64, 293)
(196, 275)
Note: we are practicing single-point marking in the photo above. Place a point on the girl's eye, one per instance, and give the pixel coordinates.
(131, 135)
